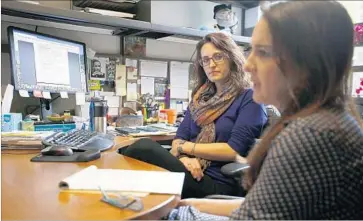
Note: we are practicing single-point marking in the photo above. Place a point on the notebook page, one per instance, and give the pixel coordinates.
(125, 181)
(82, 179)
(142, 181)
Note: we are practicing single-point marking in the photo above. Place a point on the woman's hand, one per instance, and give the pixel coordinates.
(193, 166)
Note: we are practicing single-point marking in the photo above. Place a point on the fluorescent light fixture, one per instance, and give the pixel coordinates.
(29, 2)
(178, 40)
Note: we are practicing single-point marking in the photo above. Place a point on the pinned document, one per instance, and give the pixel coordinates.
(80, 98)
(131, 92)
(64, 94)
(23, 93)
(46, 95)
(147, 85)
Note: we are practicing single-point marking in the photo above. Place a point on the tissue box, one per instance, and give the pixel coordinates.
(11, 122)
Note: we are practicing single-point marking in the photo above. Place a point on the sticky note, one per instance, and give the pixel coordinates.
(64, 94)
(46, 95)
(23, 93)
(37, 94)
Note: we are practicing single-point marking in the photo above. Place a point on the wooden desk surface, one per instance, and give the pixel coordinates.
(30, 190)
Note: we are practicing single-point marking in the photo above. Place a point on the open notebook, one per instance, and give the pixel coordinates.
(91, 178)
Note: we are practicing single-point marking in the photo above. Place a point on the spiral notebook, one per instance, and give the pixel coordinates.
(117, 180)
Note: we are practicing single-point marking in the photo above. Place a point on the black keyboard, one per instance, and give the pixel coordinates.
(81, 140)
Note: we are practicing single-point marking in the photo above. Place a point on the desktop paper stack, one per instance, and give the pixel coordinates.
(117, 180)
(23, 139)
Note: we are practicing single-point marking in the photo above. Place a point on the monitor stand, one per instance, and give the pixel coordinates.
(45, 108)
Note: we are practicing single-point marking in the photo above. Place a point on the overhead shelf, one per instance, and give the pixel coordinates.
(120, 26)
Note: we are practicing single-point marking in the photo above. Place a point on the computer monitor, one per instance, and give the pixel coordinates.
(46, 63)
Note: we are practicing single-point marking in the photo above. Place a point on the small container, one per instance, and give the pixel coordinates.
(163, 116)
(67, 115)
(172, 114)
(27, 125)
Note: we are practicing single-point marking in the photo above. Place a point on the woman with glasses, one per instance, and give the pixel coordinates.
(222, 122)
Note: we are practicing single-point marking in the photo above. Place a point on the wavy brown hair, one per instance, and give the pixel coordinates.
(313, 41)
(234, 55)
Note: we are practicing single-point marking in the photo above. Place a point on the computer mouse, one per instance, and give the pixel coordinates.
(57, 151)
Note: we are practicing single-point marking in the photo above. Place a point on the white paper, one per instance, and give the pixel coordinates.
(23, 93)
(8, 99)
(154, 68)
(113, 101)
(46, 95)
(131, 73)
(358, 56)
(120, 80)
(131, 92)
(131, 63)
(90, 53)
(147, 85)
(64, 94)
(113, 111)
(179, 79)
(80, 98)
(125, 180)
(357, 88)
(179, 74)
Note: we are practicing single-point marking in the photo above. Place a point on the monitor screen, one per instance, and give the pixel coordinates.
(45, 63)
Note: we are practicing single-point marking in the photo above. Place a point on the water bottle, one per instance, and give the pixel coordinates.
(98, 115)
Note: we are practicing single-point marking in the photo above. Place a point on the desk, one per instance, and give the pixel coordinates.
(30, 190)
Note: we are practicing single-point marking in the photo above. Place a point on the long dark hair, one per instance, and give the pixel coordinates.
(234, 55)
(313, 41)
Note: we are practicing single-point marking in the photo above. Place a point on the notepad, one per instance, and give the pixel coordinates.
(91, 178)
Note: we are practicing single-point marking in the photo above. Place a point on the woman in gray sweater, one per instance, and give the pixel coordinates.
(309, 165)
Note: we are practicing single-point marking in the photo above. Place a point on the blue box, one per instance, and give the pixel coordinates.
(11, 122)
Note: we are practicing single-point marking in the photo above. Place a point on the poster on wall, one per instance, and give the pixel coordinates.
(99, 68)
(111, 69)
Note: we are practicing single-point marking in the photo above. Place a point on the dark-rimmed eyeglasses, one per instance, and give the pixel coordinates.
(217, 59)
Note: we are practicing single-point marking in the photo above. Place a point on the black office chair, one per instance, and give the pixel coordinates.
(236, 169)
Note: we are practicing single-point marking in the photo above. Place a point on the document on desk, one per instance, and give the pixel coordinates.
(91, 178)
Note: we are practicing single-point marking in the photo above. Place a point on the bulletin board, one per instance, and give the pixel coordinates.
(166, 81)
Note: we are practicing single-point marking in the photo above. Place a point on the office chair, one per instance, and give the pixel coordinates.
(236, 169)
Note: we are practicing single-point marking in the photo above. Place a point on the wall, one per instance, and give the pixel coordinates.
(355, 10)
